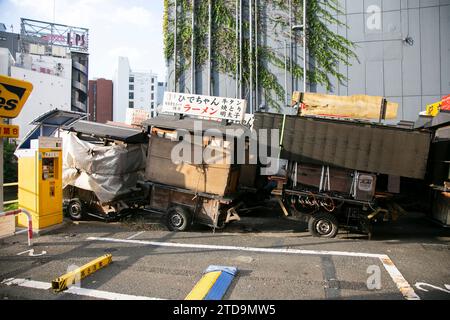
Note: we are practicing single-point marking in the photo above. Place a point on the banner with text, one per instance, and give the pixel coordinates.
(206, 107)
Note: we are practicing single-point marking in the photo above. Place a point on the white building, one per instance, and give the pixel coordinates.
(133, 90)
(52, 86)
(6, 61)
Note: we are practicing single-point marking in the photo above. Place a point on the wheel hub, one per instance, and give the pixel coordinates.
(324, 227)
(176, 220)
(75, 209)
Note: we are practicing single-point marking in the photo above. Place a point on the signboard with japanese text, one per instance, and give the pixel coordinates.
(446, 103)
(13, 95)
(204, 107)
(9, 131)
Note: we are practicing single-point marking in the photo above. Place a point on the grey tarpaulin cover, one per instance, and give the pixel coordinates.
(109, 171)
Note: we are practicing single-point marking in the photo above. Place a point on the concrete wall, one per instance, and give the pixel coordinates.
(120, 96)
(10, 41)
(412, 75)
(49, 92)
(6, 61)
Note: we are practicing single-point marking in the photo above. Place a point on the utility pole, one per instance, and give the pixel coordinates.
(302, 28)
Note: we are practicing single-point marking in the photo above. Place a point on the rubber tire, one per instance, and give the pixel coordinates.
(183, 216)
(75, 210)
(323, 217)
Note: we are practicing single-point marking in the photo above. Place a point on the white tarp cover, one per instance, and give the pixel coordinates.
(108, 171)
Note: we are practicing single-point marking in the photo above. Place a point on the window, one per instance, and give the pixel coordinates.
(131, 104)
(153, 96)
(131, 79)
(153, 105)
(131, 95)
(131, 87)
(153, 80)
(153, 88)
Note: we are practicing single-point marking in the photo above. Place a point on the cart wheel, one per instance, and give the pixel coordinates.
(178, 218)
(323, 224)
(75, 210)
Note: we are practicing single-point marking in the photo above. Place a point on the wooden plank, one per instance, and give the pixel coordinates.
(355, 107)
(208, 178)
(7, 226)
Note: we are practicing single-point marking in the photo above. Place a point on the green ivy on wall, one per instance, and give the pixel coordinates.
(325, 47)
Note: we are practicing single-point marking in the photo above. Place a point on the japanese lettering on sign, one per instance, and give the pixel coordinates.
(9, 131)
(205, 107)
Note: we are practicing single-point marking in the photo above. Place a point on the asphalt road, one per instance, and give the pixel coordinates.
(418, 249)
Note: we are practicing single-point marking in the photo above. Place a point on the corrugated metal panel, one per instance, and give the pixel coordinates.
(352, 145)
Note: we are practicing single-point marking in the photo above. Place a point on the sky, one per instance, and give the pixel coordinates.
(131, 28)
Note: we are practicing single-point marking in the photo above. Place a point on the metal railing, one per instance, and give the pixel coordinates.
(13, 184)
(30, 221)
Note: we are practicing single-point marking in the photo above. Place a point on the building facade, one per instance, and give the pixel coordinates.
(100, 100)
(9, 40)
(402, 48)
(162, 87)
(133, 90)
(54, 58)
(52, 86)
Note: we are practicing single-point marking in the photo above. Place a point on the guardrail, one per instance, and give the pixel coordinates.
(13, 184)
(30, 221)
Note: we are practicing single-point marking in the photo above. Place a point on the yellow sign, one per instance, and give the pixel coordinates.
(9, 131)
(13, 95)
(433, 109)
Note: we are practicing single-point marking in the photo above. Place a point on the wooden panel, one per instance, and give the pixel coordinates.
(356, 106)
(7, 226)
(208, 178)
(356, 146)
(340, 180)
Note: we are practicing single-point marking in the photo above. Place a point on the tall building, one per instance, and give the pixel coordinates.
(9, 40)
(52, 86)
(162, 87)
(100, 100)
(54, 58)
(403, 50)
(133, 90)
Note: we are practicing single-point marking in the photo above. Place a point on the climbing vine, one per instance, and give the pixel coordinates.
(326, 48)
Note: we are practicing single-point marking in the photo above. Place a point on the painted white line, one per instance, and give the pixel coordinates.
(105, 294)
(32, 254)
(402, 285)
(21, 231)
(421, 285)
(75, 290)
(27, 283)
(135, 235)
(405, 288)
(233, 248)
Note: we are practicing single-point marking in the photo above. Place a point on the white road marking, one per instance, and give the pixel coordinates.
(31, 253)
(405, 288)
(75, 290)
(421, 285)
(135, 235)
(233, 248)
(402, 285)
(27, 283)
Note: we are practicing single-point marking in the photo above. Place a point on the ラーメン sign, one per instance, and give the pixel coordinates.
(13, 95)
(205, 107)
